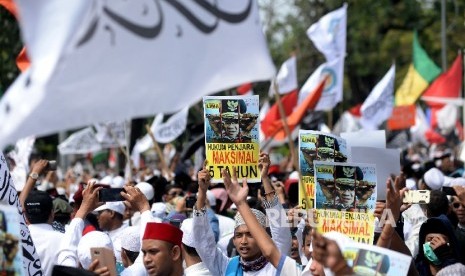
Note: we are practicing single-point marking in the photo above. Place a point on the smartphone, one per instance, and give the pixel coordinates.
(190, 201)
(105, 257)
(110, 194)
(52, 165)
(417, 196)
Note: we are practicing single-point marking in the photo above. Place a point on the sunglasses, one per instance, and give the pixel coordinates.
(457, 205)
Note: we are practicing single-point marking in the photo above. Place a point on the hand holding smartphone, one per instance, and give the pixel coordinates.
(105, 257)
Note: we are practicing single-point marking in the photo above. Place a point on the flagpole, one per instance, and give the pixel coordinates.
(463, 93)
(285, 125)
(289, 137)
(157, 149)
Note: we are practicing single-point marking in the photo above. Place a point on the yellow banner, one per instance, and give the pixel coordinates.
(243, 156)
(359, 226)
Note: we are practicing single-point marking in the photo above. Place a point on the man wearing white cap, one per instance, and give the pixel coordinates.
(193, 262)
(251, 260)
(110, 220)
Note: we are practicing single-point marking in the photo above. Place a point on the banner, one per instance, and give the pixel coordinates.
(112, 134)
(20, 155)
(231, 136)
(316, 146)
(80, 142)
(403, 117)
(345, 199)
(329, 33)
(101, 61)
(286, 78)
(379, 104)
(171, 129)
(332, 93)
(8, 195)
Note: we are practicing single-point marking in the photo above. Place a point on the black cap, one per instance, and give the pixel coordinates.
(234, 106)
(38, 202)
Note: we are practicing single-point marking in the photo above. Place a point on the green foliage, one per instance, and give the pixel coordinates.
(378, 34)
(10, 46)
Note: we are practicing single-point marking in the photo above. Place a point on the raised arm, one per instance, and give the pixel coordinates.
(204, 238)
(38, 169)
(238, 195)
(275, 212)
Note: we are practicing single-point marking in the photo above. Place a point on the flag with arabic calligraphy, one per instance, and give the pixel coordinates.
(97, 61)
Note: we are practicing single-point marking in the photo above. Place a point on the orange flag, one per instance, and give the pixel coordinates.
(294, 119)
(22, 61)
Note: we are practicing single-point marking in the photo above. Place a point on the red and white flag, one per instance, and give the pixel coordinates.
(245, 89)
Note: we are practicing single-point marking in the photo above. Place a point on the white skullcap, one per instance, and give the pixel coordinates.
(211, 198)
(410, 184)
(448, 181)
(459, 181)
(294, 175)
(106, 180)
(146, 189)
(117, 182)
(434, 179)
(89, 240)
(259, 215)
(159, 210)
(117, 206)
(130, 238)
(187, 233)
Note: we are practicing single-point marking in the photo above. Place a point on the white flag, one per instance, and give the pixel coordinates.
(346, 123)
(286, 77)
(145, 142)
(332, 93)
(20, 155)
(172, 128)
(447, 118)
(421, 126)
(379, 104)
(329, 33)
(80, 142)
(112, 134)
(97, 61)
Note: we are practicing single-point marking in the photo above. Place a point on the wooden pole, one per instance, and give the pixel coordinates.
(157, 149)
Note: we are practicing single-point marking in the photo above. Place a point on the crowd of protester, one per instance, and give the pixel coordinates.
(176, 222)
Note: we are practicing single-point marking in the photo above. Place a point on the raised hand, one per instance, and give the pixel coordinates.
(236, 193)
(328, 253)
(204, 177)
(89, 199)
(136, 198)
(264, 164)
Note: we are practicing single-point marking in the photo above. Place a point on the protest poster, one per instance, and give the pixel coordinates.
(316, 146)
(345, 199)
(10, 242)
(112, 134)
(9, 196)
(232, 136)
(373, 260)
(387, 163)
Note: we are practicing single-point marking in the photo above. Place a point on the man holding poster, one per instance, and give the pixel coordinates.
(231, 136)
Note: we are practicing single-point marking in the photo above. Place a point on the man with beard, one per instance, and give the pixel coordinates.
(251, 260)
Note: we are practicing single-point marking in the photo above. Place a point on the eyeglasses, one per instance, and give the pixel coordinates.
(457, 205)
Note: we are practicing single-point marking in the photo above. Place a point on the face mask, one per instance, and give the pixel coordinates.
(430, 255)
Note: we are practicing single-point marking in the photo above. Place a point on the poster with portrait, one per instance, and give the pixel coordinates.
(345, 199)
(11, 262)
(316, 146)
(232, 136)
(374, 260)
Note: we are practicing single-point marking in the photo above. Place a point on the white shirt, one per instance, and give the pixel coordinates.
(214, 258)
(226, 226)
(46, 242)
(115, 236)
(198, 269)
